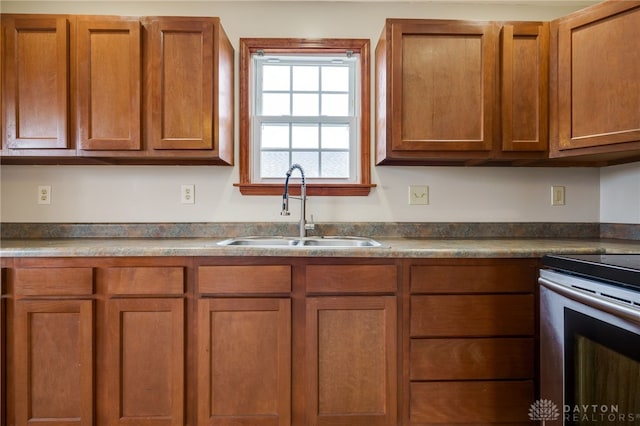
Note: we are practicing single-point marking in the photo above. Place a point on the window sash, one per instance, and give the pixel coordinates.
(351, 120)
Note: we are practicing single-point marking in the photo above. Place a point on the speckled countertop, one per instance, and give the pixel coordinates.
(391, 247)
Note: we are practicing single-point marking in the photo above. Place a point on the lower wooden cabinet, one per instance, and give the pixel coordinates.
(244, 361)
(351, 361)
(53, 362)
(253, 341)
(471, 341)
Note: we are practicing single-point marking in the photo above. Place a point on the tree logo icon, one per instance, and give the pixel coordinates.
(543, 409)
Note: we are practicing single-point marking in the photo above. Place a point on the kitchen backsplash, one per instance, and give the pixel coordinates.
(373, 229)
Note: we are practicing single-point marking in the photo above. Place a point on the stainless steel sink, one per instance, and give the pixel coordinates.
(311, 242)
(340, 242)
(260, 242)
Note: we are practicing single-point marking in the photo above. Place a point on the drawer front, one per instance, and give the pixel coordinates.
(53, 281)
(471, 402)
(472, 359)
(472, 315)
(144, 280)
(351, 278)
(244, 279)
(473, 279)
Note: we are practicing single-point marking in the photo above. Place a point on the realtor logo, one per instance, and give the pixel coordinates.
(543, 409)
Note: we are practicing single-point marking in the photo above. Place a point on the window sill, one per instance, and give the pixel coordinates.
(312, 189)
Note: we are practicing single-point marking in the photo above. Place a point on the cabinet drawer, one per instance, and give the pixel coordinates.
(472, 315)
(144, 280)
(351, 278)
(472, 359)
(244, 279)
(480, 402)
(53, 281)
(473, 279)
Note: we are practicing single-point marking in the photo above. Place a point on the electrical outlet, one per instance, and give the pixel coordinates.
(44, 194)
(418, 194)
(557, 195)
(188, 194)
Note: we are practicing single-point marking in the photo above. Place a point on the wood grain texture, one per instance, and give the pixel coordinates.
(242, 279)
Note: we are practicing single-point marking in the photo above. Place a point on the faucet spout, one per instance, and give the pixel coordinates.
(303, 199)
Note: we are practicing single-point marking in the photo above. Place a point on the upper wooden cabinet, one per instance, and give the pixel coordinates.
(189, 88)
(35, 100)
(595, 108)
(108, 83)
(438, 91)
(117, 89)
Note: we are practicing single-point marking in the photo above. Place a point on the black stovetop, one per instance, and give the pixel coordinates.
(618, 269)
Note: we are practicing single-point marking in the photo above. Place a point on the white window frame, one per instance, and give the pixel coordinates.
(352, 120)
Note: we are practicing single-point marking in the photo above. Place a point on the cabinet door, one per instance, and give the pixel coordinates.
(351, 361)
(244, 362)
(442, 83)
(53, 359)
(145, 361)
(524, 79)
(36, 92)
(598, 84)
(182, 84)
(109, 84)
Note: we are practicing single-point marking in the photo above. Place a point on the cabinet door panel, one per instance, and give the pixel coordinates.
(351, 365)
(244, 362)
(109, 84)
(182, 82)
(525, 88)
(54, 362)
(145, 364)
(599, 99)
(443, 95)
(36, 89)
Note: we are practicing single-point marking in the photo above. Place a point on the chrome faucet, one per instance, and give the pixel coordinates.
(304, 226)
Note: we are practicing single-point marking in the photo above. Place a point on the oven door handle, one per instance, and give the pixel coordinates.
(611, 307)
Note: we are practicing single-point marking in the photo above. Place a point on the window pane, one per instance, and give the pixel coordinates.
(304, 136)
(335, 105)
(335, 137)
(305, 104)
(335, 79)
(275, 135)
(335, 164)
(275, 77)
(305, 78)
(275, 104)
(308, 161)
(274, 164)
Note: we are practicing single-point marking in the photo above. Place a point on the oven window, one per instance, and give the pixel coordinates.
(602, 368)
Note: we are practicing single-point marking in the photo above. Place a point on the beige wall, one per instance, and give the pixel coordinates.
(151, 193)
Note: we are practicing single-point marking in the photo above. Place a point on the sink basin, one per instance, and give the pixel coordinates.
(311, 242)
(260, 242)
(340, 242)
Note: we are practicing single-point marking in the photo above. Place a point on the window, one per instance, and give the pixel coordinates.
(305, 102)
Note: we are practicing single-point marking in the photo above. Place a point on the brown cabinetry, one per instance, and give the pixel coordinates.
(36, 96)
(472, 348)
(117, 90)
(596, 83)
(437, 91)
(351, 366)
(108, 83)
(53, 346)
(144, 345)
(244, 345)
(268, 341)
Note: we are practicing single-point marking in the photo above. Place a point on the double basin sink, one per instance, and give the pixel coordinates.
(308, 242)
